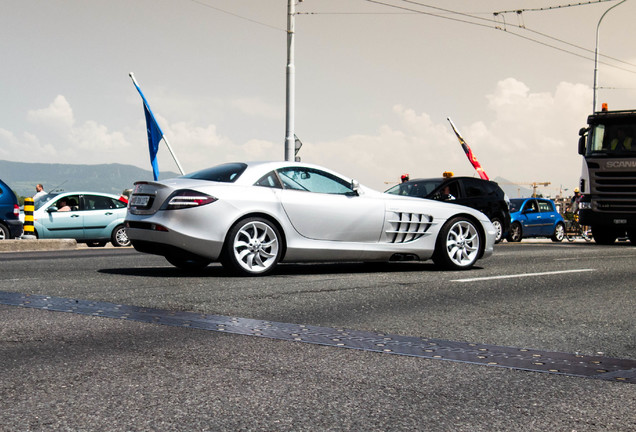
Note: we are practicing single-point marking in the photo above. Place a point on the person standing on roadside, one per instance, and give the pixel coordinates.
(39, 191)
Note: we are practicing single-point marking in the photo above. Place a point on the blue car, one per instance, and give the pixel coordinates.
(10, 224)
(535, 217)
(88, 217)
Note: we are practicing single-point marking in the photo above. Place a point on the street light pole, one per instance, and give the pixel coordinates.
(596, 54)
(291, 83)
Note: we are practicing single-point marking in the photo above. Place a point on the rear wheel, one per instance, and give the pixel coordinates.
(4, 233)
(516, 232)
(253, 247)
(559, 233)
(458, 244)
(496, 222)
(119, 237)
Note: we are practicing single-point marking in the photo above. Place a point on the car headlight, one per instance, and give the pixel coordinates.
(187, 199)
(585, 205)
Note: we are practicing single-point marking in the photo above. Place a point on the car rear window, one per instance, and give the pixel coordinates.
(224, 173)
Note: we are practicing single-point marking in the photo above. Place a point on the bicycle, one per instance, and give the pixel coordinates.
(574, 229)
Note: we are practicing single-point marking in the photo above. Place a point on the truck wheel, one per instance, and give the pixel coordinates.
(603, 236)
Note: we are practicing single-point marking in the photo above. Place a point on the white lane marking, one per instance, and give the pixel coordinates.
(522, 275)
(604, 256)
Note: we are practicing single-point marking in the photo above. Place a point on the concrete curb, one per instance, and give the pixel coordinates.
(37, 245)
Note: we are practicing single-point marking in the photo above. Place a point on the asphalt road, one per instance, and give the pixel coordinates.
(64, 371)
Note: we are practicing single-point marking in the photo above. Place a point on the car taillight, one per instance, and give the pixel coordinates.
(16, 210)
(188, 199)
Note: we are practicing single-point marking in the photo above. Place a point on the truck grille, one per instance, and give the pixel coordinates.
(406, 227)
(615, 191)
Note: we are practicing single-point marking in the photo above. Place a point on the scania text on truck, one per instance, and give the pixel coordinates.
(608, 176)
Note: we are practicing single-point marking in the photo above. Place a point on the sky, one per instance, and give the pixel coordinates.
(375, 83)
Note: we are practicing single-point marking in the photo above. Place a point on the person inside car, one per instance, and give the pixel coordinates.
(62, 205)
(447, 195)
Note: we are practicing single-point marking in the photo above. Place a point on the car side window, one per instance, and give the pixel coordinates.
(96, 202)
(313, 180)
(68, 203)
(530, 207)
(269, 180)
(545, 207)
(115, 203)
(473, 188)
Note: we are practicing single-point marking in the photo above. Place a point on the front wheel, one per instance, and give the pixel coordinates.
(559, 233)
(516, 233)
(603, 236)
(253, 247)
(119, 237)
(458, 244)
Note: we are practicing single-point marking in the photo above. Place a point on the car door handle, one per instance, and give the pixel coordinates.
(109, 213)
(74, 215)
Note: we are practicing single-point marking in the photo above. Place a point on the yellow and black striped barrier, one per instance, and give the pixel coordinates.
(29, 230)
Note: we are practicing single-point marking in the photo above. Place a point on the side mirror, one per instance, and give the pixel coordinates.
(355, 186)
(582, 145)
(51, 209)
(582, 133)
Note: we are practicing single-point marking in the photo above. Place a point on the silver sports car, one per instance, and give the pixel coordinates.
(251, 216)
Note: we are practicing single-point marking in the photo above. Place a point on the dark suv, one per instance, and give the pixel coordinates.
(10, 225)
(483, 195)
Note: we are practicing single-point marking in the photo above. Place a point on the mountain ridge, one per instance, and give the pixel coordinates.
(110, 178)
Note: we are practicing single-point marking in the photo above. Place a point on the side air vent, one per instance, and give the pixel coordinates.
(407, 227)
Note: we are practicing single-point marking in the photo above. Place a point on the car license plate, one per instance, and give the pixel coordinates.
(139, 200)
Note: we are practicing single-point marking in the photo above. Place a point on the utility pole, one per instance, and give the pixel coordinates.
(291, 83)
(596, 55)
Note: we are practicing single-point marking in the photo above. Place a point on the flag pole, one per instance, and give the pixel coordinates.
(132, 76)
(469, 153)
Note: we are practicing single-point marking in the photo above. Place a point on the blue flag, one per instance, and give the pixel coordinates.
(155, 134)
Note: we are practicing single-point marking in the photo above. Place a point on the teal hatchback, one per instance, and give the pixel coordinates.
(88, 217)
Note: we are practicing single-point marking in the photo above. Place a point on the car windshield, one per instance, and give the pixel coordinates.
(515, 205)
(416, 188)
(40, 201)
(224, 173)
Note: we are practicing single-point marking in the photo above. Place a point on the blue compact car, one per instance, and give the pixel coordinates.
(88, 217)
(535, 217)
(10, 224)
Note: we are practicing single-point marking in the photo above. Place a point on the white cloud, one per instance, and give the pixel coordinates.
(58, 115)
(531, 137)
(524, 136)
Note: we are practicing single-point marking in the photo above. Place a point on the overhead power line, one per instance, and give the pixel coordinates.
(201, 3)
(494, 24)
(555, 7)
